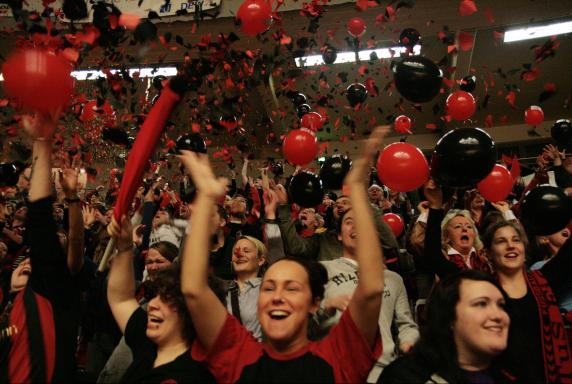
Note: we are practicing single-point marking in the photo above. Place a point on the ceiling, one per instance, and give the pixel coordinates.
(256, 94)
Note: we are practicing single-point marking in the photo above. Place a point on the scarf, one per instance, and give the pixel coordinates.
(555, 347)
(476, 260)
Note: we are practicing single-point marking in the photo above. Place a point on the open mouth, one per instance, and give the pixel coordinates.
(155, 320)
(465, 238)
(278, 314)
(511, 255)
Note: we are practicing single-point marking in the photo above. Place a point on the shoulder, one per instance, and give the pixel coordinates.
(406, 369)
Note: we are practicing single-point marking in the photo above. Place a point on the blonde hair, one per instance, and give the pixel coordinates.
(478, 244)
(261, 249)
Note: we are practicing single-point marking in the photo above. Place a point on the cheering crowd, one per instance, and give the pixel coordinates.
(222, 280)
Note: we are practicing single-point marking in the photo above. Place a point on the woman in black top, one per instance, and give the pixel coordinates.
(538, 349)
(160, 338)
(466, 328)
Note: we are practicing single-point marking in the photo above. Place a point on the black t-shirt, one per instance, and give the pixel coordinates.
(524, 357)
(181, 370)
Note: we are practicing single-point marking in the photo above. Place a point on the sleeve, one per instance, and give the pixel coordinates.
(135, 332)
(563, 178)
(294, 244)
(557, 270)
(233, 350)
(347, 352)
(273, 240)
(433, 256)
(50, 275)
(406, 326)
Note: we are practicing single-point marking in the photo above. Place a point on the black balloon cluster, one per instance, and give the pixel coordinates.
(300, 102)
(329, 54)
(409, 37)
(561, 133)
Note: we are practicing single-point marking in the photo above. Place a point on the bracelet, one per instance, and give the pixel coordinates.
(72, 200)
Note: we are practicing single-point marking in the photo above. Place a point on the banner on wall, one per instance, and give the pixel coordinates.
(141, 8)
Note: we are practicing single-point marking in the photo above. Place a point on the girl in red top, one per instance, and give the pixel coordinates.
(290, 293)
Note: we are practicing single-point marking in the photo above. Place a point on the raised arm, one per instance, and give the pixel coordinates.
(121, 284)
(68, 180)
(206, 310)
(41, 128)
(366, 300)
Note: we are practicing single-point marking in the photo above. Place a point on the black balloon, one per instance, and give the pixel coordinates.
(330, 54)
(463, 157)
(356, 94)
(158, 82)
(298, 99)
(409, 37)
(116, 136)
(191, 142)
(417, 78)
(546, 210)
(334, 170)
(75, 9)
(306, 189)
(10, 173)
(561, 132)
(468, 83)
(277, 168)
(301, 110)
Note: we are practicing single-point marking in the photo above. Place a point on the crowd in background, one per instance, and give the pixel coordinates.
(220, 280)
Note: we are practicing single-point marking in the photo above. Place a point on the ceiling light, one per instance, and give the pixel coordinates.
(538, 31)
(143, 72)
(350, 56)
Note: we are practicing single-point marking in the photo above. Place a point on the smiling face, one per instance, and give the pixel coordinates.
(20, 276)
(461, 234)
(480, 330)
(348, 234)
(164, 323)
(343, 204)
(245, 257)
(284, 303)
(307, 217)
(507, 250)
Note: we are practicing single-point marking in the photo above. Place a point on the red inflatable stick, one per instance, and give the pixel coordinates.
(143, 148)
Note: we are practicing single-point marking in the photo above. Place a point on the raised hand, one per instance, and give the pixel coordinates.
(433, 193)
(40, 126)
(68, 178)
(270, 203)
(203, 177)
(360, 167)
(88, 214)
(122, 232)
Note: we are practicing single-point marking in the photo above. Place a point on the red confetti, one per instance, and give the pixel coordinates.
(4, 102)
(448, 82)
(129, 21)
(431, 126)
(550, 87)
(530, 75)
(489, 121)
(467, 8)
(363, 5)
(71, 54)
(489, 14)
(511, 99)
(466, 41)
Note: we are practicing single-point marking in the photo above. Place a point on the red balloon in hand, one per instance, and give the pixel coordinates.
(312, 121)
(402, 167)
(534, 115)
(395, 222)
(255, 16)
(461, 105)
(356, 27)
(497, 185)
(38, 80)
(300, 146)
(402, 124)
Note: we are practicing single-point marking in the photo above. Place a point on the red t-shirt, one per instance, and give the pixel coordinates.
(343, 356)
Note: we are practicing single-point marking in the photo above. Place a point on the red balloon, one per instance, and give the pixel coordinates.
(534, 115)
(402, 124)
(461, 105)
(395, 222)
(356, 26)
(402, 167)
(38, 80)
(300, 146)
(255, 16)
(90, 112)
(312, 121)
(497, 185)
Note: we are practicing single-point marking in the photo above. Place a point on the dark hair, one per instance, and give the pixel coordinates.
(492, 217)
(167, 285)
(491, 230)
(437, 343)
(222, 212)
(341, 221)
(167, 249)
(317, 274)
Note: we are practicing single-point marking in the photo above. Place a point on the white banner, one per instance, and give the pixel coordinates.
(163, 8)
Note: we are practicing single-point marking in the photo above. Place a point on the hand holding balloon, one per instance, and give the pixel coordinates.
(41, 125)
(434, 194)
(358, 175)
